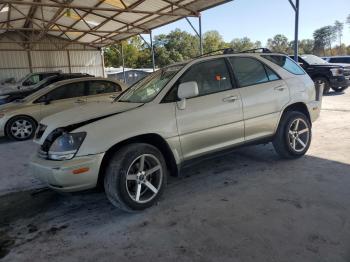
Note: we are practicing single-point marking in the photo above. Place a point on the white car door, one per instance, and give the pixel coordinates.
(62, 98)
(213, 120)
(102, 90)
(264, 94)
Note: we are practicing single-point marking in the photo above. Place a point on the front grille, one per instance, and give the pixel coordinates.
(346, 71)
(40, 131)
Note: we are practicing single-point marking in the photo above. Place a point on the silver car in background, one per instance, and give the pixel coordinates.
(19, 119)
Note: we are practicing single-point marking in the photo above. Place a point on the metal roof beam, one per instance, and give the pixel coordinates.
(90, 8)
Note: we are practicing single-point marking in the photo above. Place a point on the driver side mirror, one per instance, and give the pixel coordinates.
(186, 90)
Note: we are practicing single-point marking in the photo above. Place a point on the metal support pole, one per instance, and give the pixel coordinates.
(200, 34)
(103, 63)
(30, 61)
(152, 51)
(123, 61)
(296, 32)
(69, 62)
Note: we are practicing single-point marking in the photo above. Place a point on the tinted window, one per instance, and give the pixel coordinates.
(67, 91)
(32, 80)
(102, 87)
(211, 76)
(271, 74)
(285, 62)
(249, 71)
(339, 60)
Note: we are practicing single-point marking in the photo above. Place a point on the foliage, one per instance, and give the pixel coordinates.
(180, 45)
(241, 44)
(279, 43)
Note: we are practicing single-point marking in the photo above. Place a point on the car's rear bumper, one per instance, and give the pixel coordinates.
(2, 127)
(339, 81)
(61, 175)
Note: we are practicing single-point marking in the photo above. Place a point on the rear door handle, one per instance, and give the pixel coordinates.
(280, 88)
(230, 99)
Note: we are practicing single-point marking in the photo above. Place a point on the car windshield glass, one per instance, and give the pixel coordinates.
(148, 88)
(312, 59)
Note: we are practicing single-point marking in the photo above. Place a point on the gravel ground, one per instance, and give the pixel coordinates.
(246, 205)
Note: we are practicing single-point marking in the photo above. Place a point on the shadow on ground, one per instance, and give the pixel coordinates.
(217, 185)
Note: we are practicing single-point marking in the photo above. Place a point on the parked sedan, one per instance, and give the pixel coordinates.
(21, 94)
(18, 120)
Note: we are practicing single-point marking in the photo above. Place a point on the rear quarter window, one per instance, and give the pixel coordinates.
(286, 63)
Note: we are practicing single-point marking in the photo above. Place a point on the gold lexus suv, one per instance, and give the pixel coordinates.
(171, 117)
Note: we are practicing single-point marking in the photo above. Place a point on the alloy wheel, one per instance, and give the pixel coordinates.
(299, 135)
(144, 178)
(21, 129)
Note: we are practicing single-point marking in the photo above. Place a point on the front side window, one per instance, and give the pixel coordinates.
(67, 91)
(211, 76)
(286, 63)
(32, 80)
(250, 71)
(149, 87)
(102, 87)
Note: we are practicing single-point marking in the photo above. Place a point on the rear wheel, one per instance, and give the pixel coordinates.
(135, 177)
(323, 80)
(293, 136)
(20, 128)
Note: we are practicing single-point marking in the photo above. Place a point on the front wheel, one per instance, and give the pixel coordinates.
(135, 177)
(20, 128)
(293, 136)
(339, 89)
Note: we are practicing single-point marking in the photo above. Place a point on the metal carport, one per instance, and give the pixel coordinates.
(68, 35)
(51, 30)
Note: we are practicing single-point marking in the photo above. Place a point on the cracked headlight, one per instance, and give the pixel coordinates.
(66, 146)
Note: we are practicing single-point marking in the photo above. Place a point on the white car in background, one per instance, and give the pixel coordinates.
(174, 115)
(19, 119)
(30, 81)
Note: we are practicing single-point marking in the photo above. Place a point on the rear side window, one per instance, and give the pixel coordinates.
(102, 87)
(67, 91)
(250, 71)
(286, 63)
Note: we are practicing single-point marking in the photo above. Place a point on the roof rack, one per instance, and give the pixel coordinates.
(232, 51)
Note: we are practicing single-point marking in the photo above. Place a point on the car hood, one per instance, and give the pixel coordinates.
(12, 106)
(5, 89)
(87, 113)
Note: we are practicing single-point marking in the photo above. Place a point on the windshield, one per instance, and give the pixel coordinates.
(312, 59)
(148, 88)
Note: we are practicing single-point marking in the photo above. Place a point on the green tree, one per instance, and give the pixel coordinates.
(241, 44)
(306, 46)
(279, 43)
(212, 41)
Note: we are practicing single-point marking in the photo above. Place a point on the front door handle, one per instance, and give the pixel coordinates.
(280, 88)
(230, 99)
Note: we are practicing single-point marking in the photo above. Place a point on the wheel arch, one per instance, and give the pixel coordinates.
(16, 116)
(299, 107)
(152, 139)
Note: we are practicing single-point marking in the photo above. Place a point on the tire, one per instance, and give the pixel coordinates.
(339, 89)
(287, 142)
(129, 189)
(327, 84)
(21, 128)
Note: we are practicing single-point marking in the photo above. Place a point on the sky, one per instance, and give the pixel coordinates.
(262, 19)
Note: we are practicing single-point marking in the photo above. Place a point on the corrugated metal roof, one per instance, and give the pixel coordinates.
(94, 22)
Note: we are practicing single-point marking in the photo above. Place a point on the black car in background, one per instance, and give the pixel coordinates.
(333, 76)
(20, 94)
